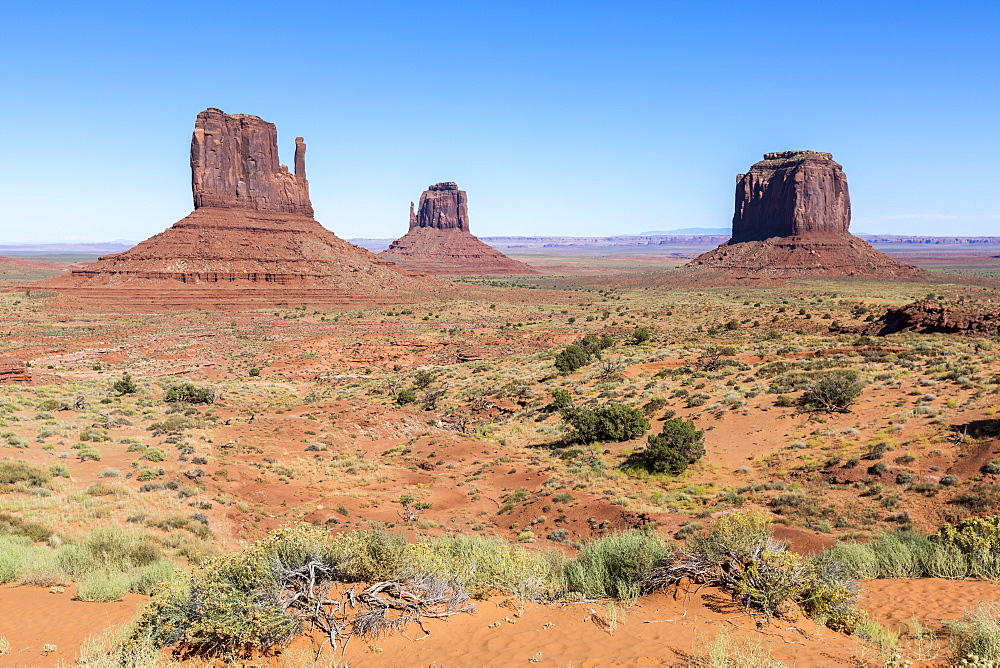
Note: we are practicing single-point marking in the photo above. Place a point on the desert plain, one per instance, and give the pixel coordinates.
(436, 419)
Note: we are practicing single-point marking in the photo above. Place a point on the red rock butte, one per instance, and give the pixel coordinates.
(439, 241)
(251, 241)
(793, 211)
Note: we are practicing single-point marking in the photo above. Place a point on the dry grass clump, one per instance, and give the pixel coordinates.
(970, 548)
(110, 562)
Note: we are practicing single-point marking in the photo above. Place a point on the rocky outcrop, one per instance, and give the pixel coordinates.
(234, 165)
(439, 241)
(13, 370)
(251, 242)
(931, 317)
(792, 218)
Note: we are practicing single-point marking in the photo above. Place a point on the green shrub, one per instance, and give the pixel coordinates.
(191, 394)
(561, 400)
(608, 423)
(125, 385)
(676, 447)
(992, 467)
(570, 359)
(94, 435)
(10, 566)
(254, 372)
(834, 393)
(615, 566)
(981, 498)
(17, 555)
(640, 335)
(423, 378)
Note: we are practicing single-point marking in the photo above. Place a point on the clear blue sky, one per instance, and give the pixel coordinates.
(558, 117)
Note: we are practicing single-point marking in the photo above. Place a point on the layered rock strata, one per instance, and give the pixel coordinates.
(251, 242)
(439, 240)
(792, 218)
(13, 370)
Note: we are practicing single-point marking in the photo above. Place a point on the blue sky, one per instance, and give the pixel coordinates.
(558, 118)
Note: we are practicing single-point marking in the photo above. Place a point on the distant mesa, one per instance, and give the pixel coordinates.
(689, 232)
(439, 240)
(251, 242)
(793, 211)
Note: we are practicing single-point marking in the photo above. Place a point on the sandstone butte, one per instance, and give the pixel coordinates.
(251, 241)
(439, 240)
(793, 211)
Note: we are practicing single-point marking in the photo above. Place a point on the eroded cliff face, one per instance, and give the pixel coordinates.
(439, 240)
(443, 206)
(234, 165)
(791, 193)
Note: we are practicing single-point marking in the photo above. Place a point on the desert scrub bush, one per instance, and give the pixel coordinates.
(834, 393)
(678, 445)
(235, 603)
(561, 400)
(85, 453)
(20, 476)
(191, 394)
(739, 556)
(608, 423)
(13, 525)
(981, 498)
(155, 455)
(104, 585)
(615, 566)
(119, 548)
(173, 425)
(94, 435)
(975, 638)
